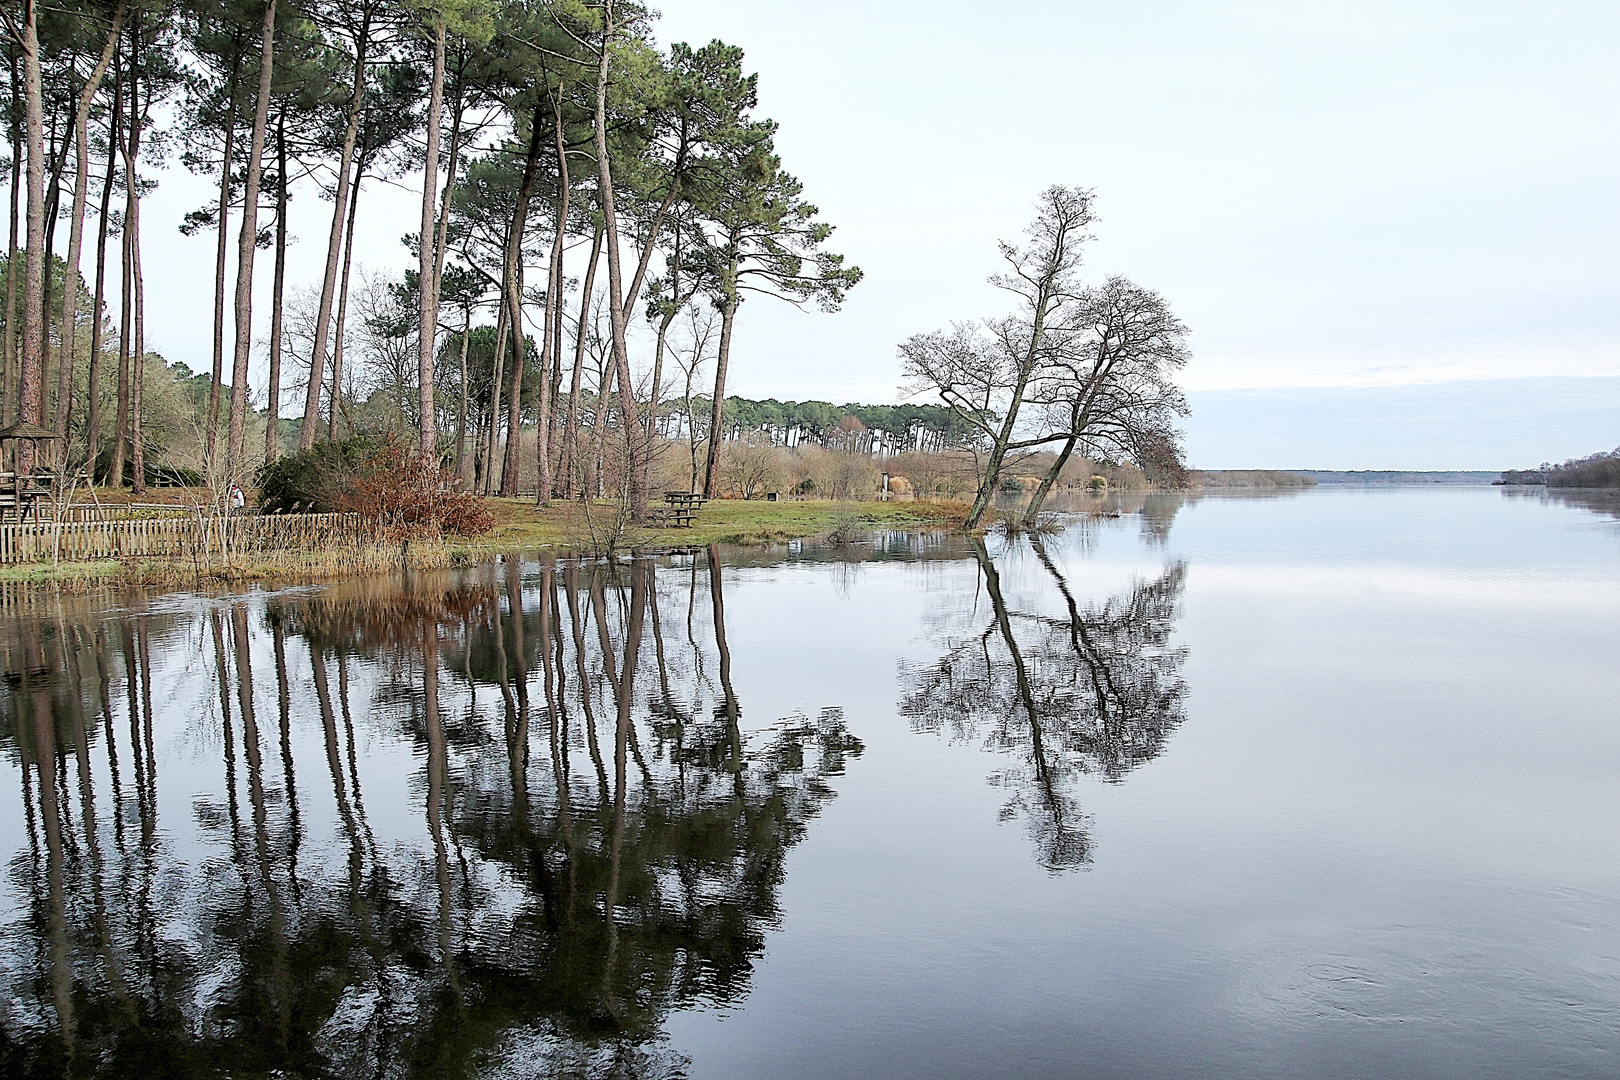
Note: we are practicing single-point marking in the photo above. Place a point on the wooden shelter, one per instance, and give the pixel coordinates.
(19, 492)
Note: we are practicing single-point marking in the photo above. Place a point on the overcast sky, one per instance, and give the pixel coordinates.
(1330, 194)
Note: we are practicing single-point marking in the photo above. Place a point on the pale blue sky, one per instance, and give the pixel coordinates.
(1336, 194)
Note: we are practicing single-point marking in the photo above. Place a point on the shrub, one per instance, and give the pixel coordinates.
(314, 481)
(854, 476)
(947, 475)
(752, 466)
(412, 498)
(381, 479)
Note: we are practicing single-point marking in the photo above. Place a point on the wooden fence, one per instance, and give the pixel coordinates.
(179, 537)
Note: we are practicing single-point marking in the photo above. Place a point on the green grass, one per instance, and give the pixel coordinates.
(38, 573)
(563, 526)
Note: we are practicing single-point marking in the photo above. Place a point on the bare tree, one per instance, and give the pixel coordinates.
(985, 380)
(1108, 381)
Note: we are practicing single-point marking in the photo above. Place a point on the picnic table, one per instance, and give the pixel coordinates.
(680, 508)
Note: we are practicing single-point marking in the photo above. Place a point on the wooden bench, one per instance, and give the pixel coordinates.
(681, 507)
(678, 516)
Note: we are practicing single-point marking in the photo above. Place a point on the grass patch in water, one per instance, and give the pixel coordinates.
(562, 526)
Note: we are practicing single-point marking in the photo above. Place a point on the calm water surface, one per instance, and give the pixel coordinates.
(1320, 785)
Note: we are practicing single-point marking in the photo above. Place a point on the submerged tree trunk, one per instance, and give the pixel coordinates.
(248, 244)
(1036, 501)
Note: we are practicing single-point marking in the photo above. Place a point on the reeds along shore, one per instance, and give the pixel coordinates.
(348, 549)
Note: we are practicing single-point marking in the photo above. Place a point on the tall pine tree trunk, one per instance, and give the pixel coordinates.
(461, 412)
(512, 286)
(428, 309)
(248, 243)
(272, 423)
(132, 224)
(33, 336)
(53, 199)
(18, 154)
(567, 468)
(551, 330)
(81, 184)
(441, 245)
(492, 418)
(728, 317)
(222, 251)
(673, 309)
(92, 424)
(514, 390)
(635, 456)
(334, 244)
(335, 405)
(604, 387)
(126, 299)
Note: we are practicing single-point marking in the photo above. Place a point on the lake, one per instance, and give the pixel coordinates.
(1317, 784)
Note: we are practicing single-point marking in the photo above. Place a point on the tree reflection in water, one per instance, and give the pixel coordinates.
(596, 839)
(1093, 690)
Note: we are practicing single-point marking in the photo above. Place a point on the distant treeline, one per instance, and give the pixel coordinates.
(1600, 470)
(1397, 477)
(871, 429)
(1250, 478)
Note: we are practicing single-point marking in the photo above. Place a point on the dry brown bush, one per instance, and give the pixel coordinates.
(948, 476)
(410, 498)
(752, 467)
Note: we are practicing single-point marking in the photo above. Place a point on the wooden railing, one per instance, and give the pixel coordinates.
(179, 537)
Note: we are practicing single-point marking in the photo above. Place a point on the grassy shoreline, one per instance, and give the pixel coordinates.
(568, 529)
